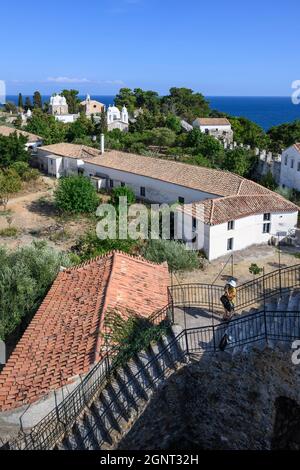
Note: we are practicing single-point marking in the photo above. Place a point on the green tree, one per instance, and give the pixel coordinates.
(37, 100)
(249, 133)
(10, 183)
(25, 277)
(20, 102)
(47, 127)
(76, 194)
(237, 161)
(173, 123)
(12, 149)
(285, 135)
(10, 107)
(126, 97)
(185, 103)
(268, 181)
(122, 191)
(28, 104)
(81, 128)
(163, 137)
(72, 100)
(205, 145)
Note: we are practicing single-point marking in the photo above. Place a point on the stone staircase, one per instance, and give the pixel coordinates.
(112, 412)
(280, 322)
(117, 406)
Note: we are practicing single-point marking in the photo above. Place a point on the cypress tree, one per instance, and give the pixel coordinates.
(28, 104)
(37, 100)
(20, 101)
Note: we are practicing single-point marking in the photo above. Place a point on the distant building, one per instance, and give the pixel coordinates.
(32, 139)
(220, 128)
(117, 119)
(92, 106)
(290, 167)
(58, 105)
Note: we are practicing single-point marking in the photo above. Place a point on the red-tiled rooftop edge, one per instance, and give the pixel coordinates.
(63, 339)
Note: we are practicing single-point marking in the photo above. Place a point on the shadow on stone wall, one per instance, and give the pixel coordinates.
(287, 425)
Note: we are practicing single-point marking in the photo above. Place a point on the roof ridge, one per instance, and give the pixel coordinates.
(109, 254)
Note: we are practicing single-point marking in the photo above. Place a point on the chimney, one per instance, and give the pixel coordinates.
(102, 144)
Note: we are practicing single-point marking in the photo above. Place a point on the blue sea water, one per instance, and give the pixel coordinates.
(265, 111)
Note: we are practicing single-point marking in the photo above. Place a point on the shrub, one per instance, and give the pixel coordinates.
(24, 171)
(89, 246)
(130, 334)
(178, 257)
(122, 191)
(76, 194)
(9, 232)
(25, 276)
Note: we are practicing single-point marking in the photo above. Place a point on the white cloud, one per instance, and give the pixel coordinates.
(68, 80)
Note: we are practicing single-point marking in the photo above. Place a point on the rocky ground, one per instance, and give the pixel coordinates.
(224, 403)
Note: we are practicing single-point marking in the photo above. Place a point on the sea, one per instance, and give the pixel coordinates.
(265, 111)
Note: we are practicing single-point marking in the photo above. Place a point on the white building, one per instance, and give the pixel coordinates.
(33, 140)
(290, 168)
(220, 128)
(117, 119)
(229, 212)
(58, 105)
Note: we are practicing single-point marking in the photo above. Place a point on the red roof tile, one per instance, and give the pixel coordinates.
(64, 337)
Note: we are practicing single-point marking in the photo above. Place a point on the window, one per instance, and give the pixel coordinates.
(122, 184)
(292, 163)
(194, 223)
(285, 160)
(298, 166)
(266, 228)
(143, 191)
(230, 225)
(181, 200)
(111, 183)
(230, 244)
(267, 216)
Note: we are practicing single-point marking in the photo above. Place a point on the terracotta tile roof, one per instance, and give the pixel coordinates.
(221, 210)
(6, 131)
(217, 182)
(297, 146)
(213, 121)
(64, 339)
(71, 150)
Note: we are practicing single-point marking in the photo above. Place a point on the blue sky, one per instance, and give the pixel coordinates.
(220, 47)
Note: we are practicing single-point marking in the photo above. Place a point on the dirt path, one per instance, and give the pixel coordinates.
(263, 255)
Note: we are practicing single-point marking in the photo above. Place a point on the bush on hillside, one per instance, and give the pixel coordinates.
(176, 254)
(25, 277)
(122, 191)
(76, 195)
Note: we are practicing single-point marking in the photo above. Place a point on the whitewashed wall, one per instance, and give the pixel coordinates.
(156, 190)
(248, 231)
(290, 177)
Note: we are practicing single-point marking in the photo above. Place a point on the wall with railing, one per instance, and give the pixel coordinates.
(247, 329)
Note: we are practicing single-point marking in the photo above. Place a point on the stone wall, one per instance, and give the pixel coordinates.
(221, 402)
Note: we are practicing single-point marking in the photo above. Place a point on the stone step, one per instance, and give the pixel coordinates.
(101, 431)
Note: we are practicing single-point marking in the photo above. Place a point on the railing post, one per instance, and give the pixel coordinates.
(214, 339)
(265, 315)
(186, 343)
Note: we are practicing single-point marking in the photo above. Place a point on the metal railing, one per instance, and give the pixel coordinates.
(255, 291)
(253, 328)
(47, 432)
(53, 426)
